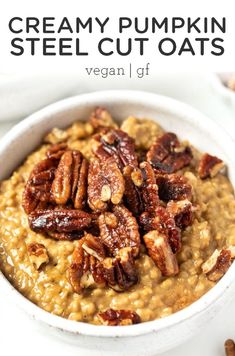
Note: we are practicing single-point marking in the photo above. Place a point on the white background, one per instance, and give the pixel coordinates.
(18, 334)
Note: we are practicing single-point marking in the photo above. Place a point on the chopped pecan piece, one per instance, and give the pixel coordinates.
(93, 246)
(161, 253)
(125, 269)
(101, 118)
(179, 159)
(119, 317)
(149, 188)
(119, 229)
(85, 270)
(182, 211)
(105, 183)
(229, 344)
(120, 146)
(37, 254)
(166, 154)
(141, 191)
(163, 222)
(56, 151)
(209, 166)
(38, 186)
(167, 226)
(120, 272)
(70, 179)
(173, 187)
(133, 197)
(218, 263)
(64, 220)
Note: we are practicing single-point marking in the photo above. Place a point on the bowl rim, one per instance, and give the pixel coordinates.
(196, 308)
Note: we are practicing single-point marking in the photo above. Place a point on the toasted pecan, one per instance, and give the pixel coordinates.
(56, 151)
(105, 183)
(117, 144)
(91, 266)
(173, 187)
(229, 347)
(166, 155)
(37, 254)
(38, 186)
(164, 223)
(218, 263)
(120, 272)
(182, 211)
(64, 220)
(70, 179)
(161, 253)
(100, 118)
(61, 186)
(113, 317)
(133, 198)
(119, 229)
(84, 271)
(79, 180)
(209, 166)
(141, 191)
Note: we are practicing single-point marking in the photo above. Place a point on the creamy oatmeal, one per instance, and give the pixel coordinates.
(149, 257)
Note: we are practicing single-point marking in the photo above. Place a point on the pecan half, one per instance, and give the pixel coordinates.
(70, 179)
(105, 183)
(182, 211)
(101, 118)
(166, 154)
(161, 253)
(61, 186)
(218, 263)
(64, 220)
(37, 254)
(209, 166)
(117, 144)
(38, 186)
(85, 271)
(173, 187)
(112, 317)
(120, 272)
(162, 221)
(119, 229)
(79, 180)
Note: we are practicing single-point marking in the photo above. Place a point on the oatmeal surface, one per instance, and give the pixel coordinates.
(154, 296)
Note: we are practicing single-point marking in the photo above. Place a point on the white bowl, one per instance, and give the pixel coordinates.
(151, 337)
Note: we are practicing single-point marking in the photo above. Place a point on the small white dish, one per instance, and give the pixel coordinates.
(219, 81)
(155, 336)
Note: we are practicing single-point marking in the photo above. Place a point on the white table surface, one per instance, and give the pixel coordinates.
(22, 336)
